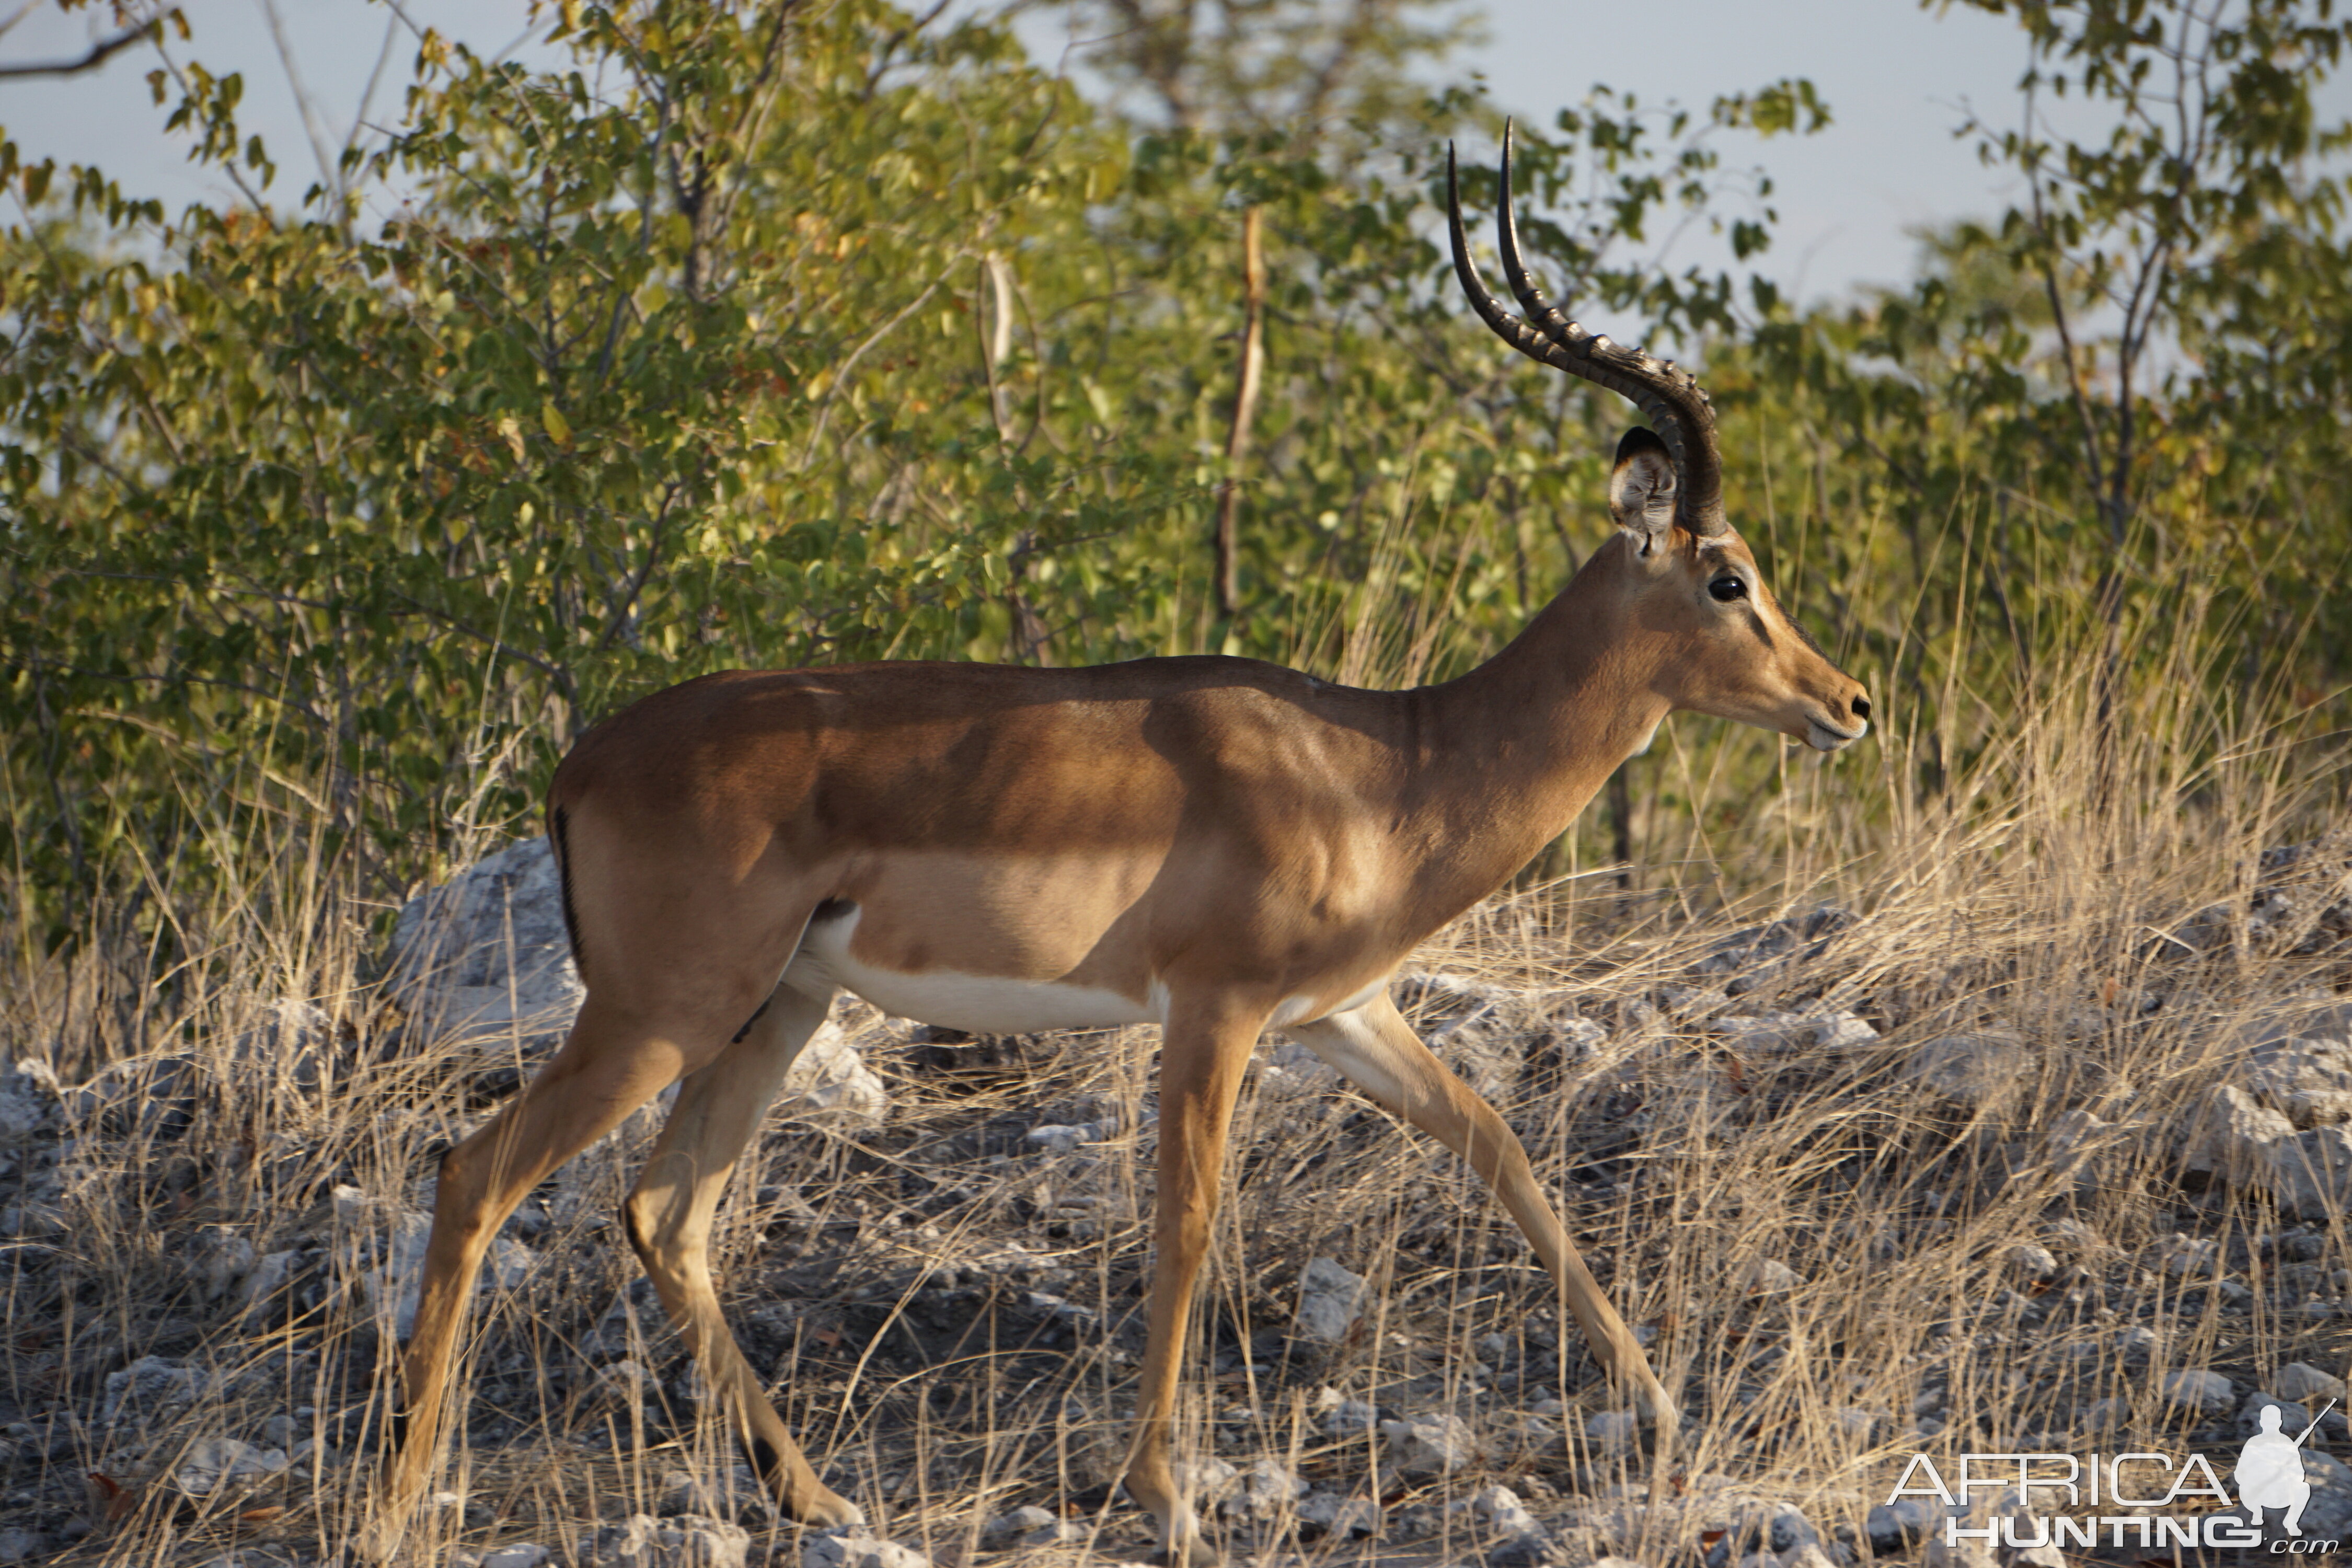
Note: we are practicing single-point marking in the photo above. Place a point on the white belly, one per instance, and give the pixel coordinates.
(982, 1003)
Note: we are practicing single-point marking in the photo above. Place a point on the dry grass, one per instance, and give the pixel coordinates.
(939, 1377)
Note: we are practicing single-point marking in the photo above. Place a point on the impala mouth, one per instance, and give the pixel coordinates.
(1823, 737)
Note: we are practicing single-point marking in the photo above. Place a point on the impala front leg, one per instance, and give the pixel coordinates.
(1376, 1048)
(1204, 1050)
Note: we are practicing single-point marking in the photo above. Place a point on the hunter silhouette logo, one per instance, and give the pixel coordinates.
(2270, 1471)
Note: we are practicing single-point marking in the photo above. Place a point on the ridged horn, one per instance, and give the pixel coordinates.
(1673, 400)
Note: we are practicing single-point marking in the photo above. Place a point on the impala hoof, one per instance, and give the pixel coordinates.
(827, 1511)
(1194, 1552)
(1658, 1410)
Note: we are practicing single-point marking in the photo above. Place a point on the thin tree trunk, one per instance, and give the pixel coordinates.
(1229, 598)
(1621, 833)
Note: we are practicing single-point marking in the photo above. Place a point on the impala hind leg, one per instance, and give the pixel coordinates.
(669, 1217)
(1203, 1054)
(609, 1066)
(1376, 1048)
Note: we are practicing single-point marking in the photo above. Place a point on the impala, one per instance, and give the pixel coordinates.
(1216, 846)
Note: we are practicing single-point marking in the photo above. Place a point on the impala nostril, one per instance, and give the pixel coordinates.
(1862, 708)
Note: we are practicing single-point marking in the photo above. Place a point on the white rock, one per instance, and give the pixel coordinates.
(686, 1542)
(1061, 1139)
(1351, 1418)
(1010, 1527)
(1843, 1032)
(396, 1238)
(29, 1097)
(292, 1036)
(1893, 1526)
(1968, 1552)
(1761, 1033)
(1527, 1427)
(1578, 1038)
(1430, 1445)
(212, 1463)
(1614, 1431)
(1204, 1478)
(1785, 1529)
(1499, 1512)
(855, 1549)
(1262, 1492)
(2313, 1019)
(2330, 1514)
(2311, 1172)
(2032, 1262)
(152, 1386)
(830, 1081)
(2301, 1381)
(2188, 1257)
(1695, 1004)
(515, 1554)
(2232, 1136)
(224, 1256)
(1531, 1549)
(268, 1276)
(1857, 1423)
(2207, 1393)
(1347, 1518)
(1768, 1276)
(2302, 1077)
(1971, 1069)
(1809, 1555)
(2075, 1137)
(1768, 1034)
(485, 956)
(1330, 1300)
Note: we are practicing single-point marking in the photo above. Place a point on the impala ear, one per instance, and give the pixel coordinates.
(1641, 487)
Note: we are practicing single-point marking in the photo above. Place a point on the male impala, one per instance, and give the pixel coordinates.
(1213, 845)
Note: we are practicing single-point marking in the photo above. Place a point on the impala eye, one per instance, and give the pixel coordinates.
(1726, 589)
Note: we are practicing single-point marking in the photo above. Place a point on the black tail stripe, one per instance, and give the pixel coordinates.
(557, 833)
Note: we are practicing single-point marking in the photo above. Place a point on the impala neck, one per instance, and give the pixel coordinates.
(1516, 748)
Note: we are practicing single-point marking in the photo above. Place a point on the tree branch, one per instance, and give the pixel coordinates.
(97, 56)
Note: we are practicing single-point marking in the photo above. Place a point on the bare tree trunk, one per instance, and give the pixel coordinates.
(1229, 600)
(1621, 833)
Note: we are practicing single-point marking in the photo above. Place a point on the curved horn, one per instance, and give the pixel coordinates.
(1673, 400)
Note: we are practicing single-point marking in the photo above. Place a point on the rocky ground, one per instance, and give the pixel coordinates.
(1872, 1188)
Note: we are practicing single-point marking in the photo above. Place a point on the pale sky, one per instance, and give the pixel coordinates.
(1898, 80)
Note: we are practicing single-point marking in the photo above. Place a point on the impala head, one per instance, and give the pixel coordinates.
(1680, 573)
